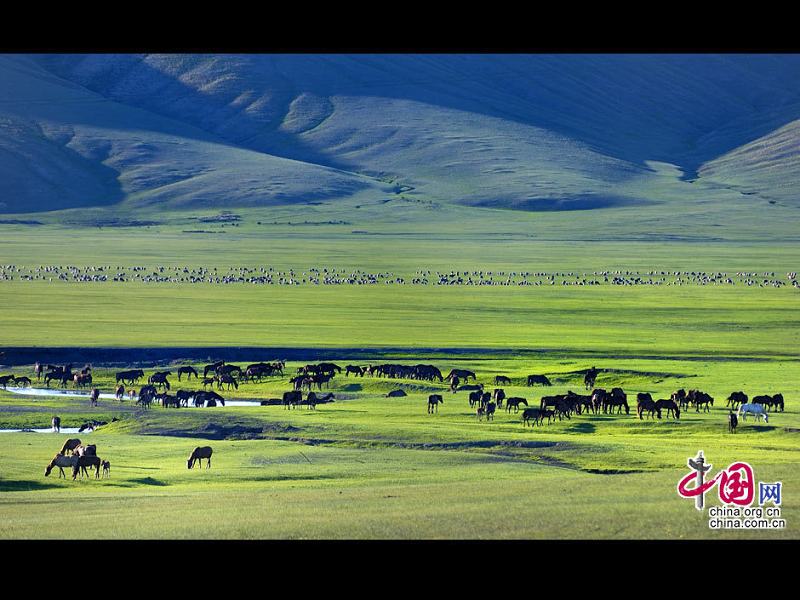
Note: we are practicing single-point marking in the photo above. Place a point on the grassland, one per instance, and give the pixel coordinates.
(367, 466)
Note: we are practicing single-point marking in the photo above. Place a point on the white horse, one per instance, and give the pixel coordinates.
(753, 409)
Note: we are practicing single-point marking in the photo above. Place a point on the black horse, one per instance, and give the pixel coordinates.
(538, 379)
(434, 400)
(189, 372)
(514, 403)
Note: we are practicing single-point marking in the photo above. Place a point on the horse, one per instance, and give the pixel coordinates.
(463, 374)
(87, 460)
(590, 378)
(167, 401)
(646, 405)
(90, 450)
(131, 393)
(514, 403)
(498, 395)
(183, 397)
(598, 398)
(37, 370)
(129, 376)
(61, 461)
(189, 372)
(159, 378)
(198, 454)
(6, 379)
(670, 406)
(616, 398)
(292, 399)
(535, 414)
(209, 381)
(735, 399)
(680, 398)
(752, 409)
(498, 379)
(106, 469)
(642, 396)
(69, 446)
(359, 371)
(229, 380)
(22, 381)
(733, 422)
(210, 399)
(704, 399)
(433, 403)
(93, 396)
(56, 424)
(475, 398)
(538, 379)
(212, 367)
(454, 383)
(490, 408)
(120, 393)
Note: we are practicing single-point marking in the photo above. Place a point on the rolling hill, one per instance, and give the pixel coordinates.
(533, 132)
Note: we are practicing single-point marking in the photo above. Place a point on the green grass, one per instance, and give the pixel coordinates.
(372, 467)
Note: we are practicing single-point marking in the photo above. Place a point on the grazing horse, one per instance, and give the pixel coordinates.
(538, 379)
(183, 396)
(210, 399)
(212, 367)
(646, 405)
(463, 374)
(61, 461)
(642, 396)
(704, 399)
(733, 422)
(198, 454)
(87, 460)
(616, 398)
(735, 399)
(69, 446)
(189, 372)
(120, 393)
(514, 403)
(56, 424)
(159, 378)
(106, 469)
(167, 401)
(433, 403)
(454, 383)
(752, 409)
(22, 381)
(6, 379)
(292, 399)
(680, 398)
(670, 406)
(359, 371)
(598, 399)
(502, 379)
(229, 380)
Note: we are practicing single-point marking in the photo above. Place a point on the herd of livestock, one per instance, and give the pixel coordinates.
(264, 275)
(484, 402)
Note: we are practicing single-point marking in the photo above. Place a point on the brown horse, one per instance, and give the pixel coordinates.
(69, 446)
(433, 403)
(87, 460)
(198, 454)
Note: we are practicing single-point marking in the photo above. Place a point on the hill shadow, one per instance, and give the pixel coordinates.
(149, 481)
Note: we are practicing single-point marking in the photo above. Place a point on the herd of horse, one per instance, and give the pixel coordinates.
(74, 455)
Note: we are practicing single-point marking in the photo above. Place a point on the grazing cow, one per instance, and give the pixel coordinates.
(502, 379)
(538, 379)
(670, 406)
(433, 403)
(198, 454)
(733, 422)
(756, 410)
(735, 399)
(396, 394)
(514, 403)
